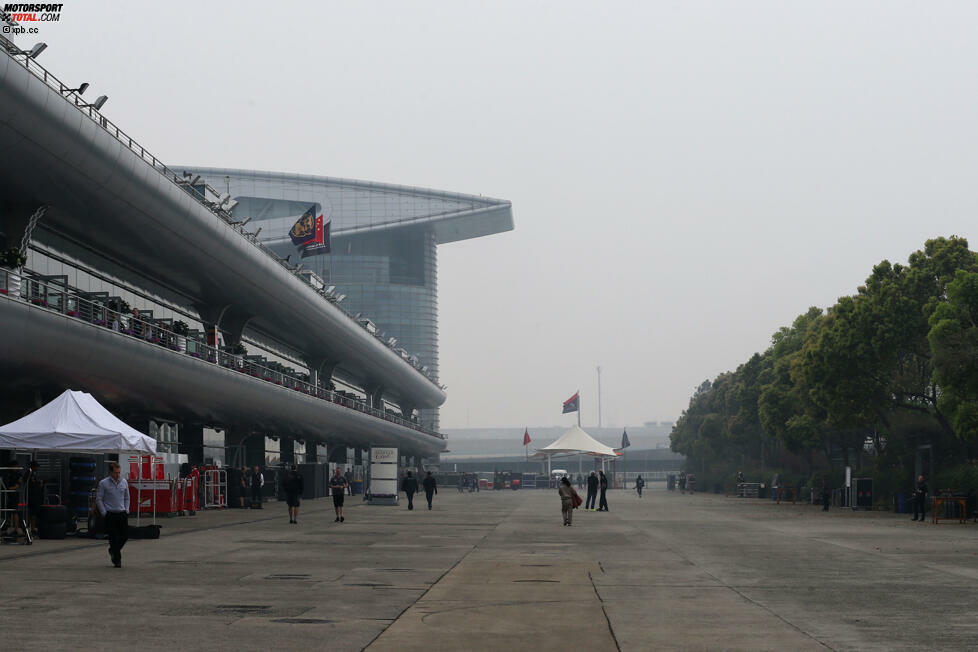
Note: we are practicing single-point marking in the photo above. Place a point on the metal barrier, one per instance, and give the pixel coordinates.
(10, 508)
(784, 493)
(215, 489)
(748, 489)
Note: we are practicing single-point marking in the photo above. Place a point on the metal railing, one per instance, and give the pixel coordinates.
(104, 311)
(73, 98)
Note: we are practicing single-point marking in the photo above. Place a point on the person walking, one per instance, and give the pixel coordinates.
(257, 482)
(430, 487)
(410, 487)
(639, 484)
(337, 486)
(567, 493)
(682, 482)
(603, 484)
(349, 481)
(826, 494)
(920, 500)
(243, 488)
(460, 482)
(294, 486)
(112, 500)
(592, 491)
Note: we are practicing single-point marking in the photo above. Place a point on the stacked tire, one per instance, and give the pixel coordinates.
(82, 481)
(52, 522)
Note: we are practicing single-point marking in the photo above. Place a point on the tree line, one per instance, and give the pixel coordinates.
(871, 382)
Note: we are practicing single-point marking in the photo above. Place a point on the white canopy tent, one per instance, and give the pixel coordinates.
(577, 441)
(74, 422)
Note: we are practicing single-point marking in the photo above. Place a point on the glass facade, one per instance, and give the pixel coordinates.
(391, 278)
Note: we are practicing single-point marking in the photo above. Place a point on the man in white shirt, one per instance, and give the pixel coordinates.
(113, 504)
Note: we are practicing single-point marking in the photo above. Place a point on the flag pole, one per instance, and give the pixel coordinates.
(624, 457)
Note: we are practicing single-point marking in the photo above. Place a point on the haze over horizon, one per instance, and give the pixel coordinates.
(685, 178)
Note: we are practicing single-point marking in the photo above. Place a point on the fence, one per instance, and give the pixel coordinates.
(102, 311)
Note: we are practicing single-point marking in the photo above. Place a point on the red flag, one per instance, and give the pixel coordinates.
(573, 404)
(526, 436)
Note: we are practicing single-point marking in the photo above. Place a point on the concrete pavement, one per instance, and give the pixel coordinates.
(496, 570)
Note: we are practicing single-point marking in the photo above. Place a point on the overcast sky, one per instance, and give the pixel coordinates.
(686, 177)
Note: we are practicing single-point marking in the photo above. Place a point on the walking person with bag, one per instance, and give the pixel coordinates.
(639, 485)
(569, 500)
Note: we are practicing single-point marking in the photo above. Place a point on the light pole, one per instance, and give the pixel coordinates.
(599, 396)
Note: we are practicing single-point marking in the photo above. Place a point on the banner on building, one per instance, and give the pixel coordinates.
(310, 234)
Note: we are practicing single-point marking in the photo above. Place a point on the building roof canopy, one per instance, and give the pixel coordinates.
(277, 199)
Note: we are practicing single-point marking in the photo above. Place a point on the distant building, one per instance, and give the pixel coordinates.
(472, 449)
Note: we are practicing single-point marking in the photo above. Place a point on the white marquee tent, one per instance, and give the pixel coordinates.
(74, 422)
(577, 441)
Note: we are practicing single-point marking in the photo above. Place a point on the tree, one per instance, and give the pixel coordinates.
(953, 340)
(873, 356)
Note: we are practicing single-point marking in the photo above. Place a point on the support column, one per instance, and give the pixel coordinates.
(233, 324)
(336, 453)
(375, 396)
(210, 317)
(14, 218)
(287, 450)
(192, 443)
(407, 410)
(228, 319)
(246, 448)
(320, 370)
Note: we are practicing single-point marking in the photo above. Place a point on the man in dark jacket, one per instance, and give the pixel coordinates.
(603, 484)
(592, 491)
(257, 482)
(826, 494)
(430, 487)
(410, 487)
(337, 486)
(294, 486)
(920, 500)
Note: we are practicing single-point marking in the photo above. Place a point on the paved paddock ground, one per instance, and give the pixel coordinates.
(496, 570)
